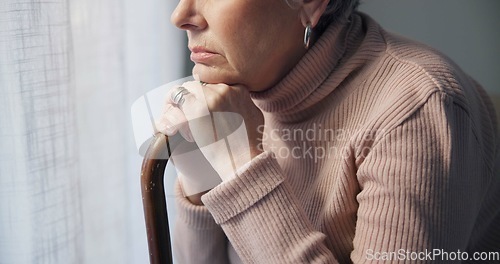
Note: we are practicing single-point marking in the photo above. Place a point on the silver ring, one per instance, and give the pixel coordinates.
(177, 96)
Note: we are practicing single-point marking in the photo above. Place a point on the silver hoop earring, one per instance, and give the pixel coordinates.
(307, 35)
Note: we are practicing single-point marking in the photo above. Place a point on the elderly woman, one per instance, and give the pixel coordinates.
(361, 145)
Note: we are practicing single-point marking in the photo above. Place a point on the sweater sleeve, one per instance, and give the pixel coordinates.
(262, 218)
(422, 186)
(197, 239)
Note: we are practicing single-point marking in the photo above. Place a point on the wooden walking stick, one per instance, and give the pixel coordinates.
(154, 201)
(153, 193)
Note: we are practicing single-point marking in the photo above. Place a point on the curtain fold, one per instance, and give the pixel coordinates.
(41, 212)
(69, 170)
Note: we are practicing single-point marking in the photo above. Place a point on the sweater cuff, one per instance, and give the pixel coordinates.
(261, 176)
(194, 216)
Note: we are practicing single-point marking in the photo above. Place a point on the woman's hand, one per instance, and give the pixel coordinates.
(212, 115)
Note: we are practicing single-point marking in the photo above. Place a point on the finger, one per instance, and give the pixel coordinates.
(222, 97)
(197, 113)
(195, 104)
(171, 120)
(170, 93)
(185, 132)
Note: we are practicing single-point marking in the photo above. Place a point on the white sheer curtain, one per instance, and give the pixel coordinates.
(69, 170)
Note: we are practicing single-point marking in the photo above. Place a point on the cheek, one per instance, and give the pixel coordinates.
(244, 32)
(248, 46)
(250, 40)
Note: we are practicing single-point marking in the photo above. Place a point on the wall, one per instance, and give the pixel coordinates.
(467, 31)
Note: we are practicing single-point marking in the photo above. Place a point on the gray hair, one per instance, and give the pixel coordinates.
(337, 11)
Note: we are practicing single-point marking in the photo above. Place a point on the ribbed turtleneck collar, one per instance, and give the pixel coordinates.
(302, 86)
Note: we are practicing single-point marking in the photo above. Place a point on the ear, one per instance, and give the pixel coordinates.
(311, 11)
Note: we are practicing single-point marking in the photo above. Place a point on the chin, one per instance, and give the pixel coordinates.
(213, 74)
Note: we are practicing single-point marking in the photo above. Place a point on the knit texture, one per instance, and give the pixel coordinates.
(374, 143)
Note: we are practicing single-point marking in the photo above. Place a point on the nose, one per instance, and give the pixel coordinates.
(187, 16)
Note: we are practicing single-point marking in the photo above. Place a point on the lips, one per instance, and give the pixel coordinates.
(201, 55)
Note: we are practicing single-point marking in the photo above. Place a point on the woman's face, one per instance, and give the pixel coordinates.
(241, 42)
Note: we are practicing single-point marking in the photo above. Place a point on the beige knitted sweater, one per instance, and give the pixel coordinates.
(375, 144)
